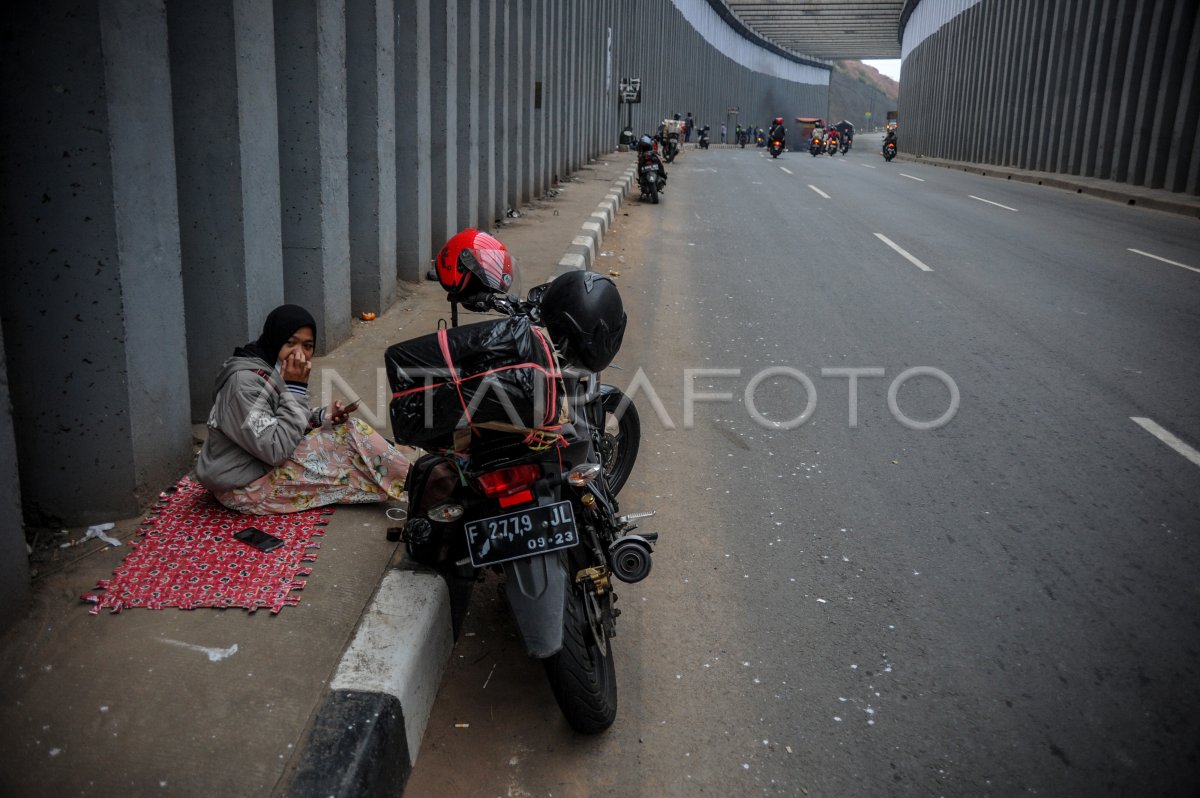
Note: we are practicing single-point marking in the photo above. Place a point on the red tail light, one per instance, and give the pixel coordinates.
(510, 486)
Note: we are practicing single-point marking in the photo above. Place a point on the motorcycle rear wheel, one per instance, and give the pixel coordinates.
(583, 674)
(652, 190)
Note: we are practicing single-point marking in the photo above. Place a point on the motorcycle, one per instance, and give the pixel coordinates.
(815, 147)
(889, 150)
(651, 179)
(760, 140)
(742, 138)
(844, 146)
(776, 148)
(831, 147)
(670, 148)
(539, 506)
(703, 140)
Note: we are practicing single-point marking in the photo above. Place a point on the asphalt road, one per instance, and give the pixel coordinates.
(1005, 602)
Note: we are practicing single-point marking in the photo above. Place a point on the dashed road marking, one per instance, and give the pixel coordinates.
(899, 249)
(910, 177)
(868, 166)
(819, 191)
(1164, 260)
(1167, 438)
(997, 204)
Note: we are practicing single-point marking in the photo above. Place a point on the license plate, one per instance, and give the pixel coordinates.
(535, 530)
(652, 167)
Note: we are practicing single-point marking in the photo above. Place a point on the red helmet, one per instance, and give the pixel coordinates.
(474, 261)
(779, 120)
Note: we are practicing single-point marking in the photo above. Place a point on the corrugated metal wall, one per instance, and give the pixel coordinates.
(1097, 88)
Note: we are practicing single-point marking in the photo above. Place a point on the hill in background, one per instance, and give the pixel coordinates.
(856, 90)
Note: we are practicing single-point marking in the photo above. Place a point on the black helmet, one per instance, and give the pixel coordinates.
(585, 317)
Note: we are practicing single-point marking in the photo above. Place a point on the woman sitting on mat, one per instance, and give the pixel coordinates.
(267, 453)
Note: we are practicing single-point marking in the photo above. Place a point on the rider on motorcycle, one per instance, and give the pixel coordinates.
(778, 132)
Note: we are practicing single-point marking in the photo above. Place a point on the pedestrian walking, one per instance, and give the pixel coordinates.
(724, 130)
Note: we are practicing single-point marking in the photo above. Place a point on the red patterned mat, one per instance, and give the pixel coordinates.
(187, 557)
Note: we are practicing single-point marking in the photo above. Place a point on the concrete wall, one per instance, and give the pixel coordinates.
(1098, 88)
(14, 563)
(174, 169)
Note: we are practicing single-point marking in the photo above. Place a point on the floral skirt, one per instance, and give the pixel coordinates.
(349, 463)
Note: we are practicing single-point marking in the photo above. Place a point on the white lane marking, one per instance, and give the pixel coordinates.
(997, 204)
(910, 177)
(1164, 260)
(868, 166)
(819, 191)
(789, 171)
(1168, 439)
(896, 247)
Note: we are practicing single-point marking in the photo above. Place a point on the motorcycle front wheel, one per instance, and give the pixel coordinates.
(583, 674)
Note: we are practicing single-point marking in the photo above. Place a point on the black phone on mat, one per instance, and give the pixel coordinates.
(258, 539)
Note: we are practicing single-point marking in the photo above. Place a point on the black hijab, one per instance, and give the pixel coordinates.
(281, 324)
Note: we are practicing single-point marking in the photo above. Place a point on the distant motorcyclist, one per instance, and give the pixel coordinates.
(778, 132)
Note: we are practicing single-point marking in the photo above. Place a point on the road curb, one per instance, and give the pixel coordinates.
(1153, 199)
(368, 729)
(585, 248)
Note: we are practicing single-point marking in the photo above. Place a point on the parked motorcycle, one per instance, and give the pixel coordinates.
(670, 148)
(889, 150)
(651, 177)
(776, 148)
(703, 140)
(535, 502)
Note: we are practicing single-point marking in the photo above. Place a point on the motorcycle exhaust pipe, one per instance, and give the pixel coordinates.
(630, 558)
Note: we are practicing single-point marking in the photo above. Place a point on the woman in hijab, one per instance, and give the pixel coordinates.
(266, 452)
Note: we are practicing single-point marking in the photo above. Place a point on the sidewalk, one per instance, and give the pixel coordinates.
(306, 702)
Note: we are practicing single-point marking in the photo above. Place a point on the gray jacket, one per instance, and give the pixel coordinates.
(255, 425)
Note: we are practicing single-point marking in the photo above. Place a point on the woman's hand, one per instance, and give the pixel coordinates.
(297, 367)
(338, 413)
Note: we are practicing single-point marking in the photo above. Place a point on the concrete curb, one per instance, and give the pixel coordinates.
(1154, 199)
(585, 247)
(367, 731)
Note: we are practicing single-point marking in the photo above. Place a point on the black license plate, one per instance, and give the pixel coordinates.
(535, 530)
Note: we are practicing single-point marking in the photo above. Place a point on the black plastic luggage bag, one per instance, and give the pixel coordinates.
(499, 373)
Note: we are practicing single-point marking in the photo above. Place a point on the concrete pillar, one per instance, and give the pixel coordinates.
(414, 231)
(1183, 167)
(447, 145)
(1150, 91)
(1127, 121)
(371, 142)
(1114, 66)
(1082, 44)
(93, 295)
(467, 185)
(512, 113)
(310, 50)
(227, 174)
(486, 206)
(1168, 106)
(14, 556)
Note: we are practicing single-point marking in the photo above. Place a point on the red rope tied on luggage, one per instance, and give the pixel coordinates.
(546, 433)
